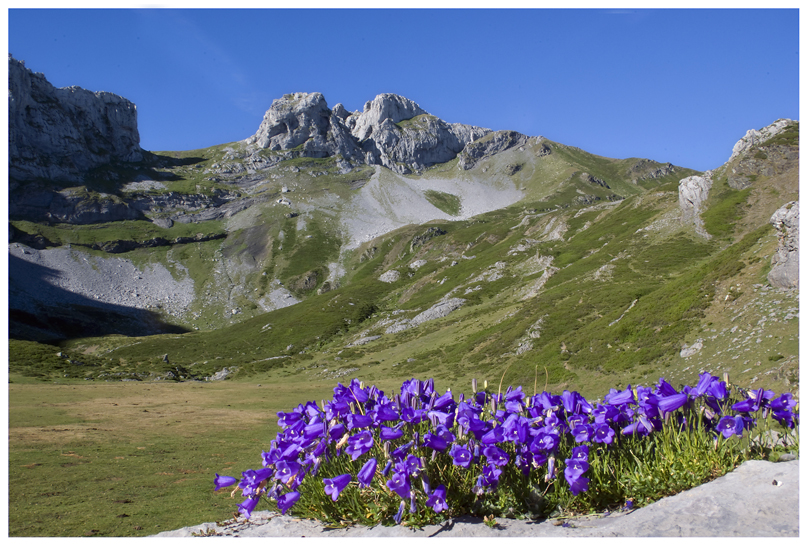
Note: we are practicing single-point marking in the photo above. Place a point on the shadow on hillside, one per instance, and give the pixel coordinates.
(40, 311)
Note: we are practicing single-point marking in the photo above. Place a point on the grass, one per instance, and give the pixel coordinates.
(449, 203)
(134, 459)
(125, 230)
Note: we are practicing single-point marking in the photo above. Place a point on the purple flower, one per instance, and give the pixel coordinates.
(359, 444)
(620, 397)
(411, 465)
(246, 507)
(671, 403)
(336, 432)
(783, 402)
(664, 389)
(335, 486)
(357, 421)
(388, 433)
(582, 433)
(579, 485)
(398, 516)
(435, 442)
(547, 442)
(496, 456)
(288, 419)
(252, 479)
(515, 428)
(287, 500)
(493, 436)
(581, 452)
(385, 413)
(438, 499)
(400, 483)
(603, 434)
(574, 470)
(444, 401)
(460, 456)
(284, 470)
(221, 482)
(702, 386)
(489, 475)
(367, 473)
(730, 425)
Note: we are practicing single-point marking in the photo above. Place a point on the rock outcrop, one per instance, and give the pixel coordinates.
(302, 122)
(392, 131)
(785, 272)
(489, 145)
(758, 155)
(693, 193)
(59, 134)
(755, 137)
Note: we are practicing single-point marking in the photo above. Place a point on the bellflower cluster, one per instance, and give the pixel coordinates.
(431, 452)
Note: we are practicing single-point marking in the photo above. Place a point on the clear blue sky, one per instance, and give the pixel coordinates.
(670, 85)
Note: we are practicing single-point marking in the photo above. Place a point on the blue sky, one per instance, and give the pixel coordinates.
(671, 85)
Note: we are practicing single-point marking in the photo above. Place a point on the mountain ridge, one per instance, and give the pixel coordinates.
(304, 243)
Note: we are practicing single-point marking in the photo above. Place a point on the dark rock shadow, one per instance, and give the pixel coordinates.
(41, 311)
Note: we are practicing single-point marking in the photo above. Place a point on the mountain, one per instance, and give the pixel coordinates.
(390, 243)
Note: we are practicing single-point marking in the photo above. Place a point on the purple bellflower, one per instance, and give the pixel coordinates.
(367, 473)
(460, 456)
(438, 499)
(334, 486)
(288, 500)
(246, 507)
(223, 481)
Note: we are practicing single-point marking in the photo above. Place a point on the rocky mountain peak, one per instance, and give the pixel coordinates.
(392, 131)
(387, 106)
(292, 120)
(60, 134)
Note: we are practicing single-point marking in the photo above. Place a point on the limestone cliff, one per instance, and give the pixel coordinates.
(59, 134)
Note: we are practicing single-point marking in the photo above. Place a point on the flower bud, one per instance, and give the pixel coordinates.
(474, 385)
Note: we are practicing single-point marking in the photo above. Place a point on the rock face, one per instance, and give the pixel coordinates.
(489, 145)
(785, 271)
(754, 157)
(693, 193)
(755, 137)
(391, 131)
(303, 120)
(60, 134)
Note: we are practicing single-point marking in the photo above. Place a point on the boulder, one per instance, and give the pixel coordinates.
(785, 271)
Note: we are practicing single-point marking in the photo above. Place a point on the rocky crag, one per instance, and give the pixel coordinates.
(391, 131)
(61, 134)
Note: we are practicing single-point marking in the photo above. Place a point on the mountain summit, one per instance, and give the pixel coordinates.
(391, 131)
